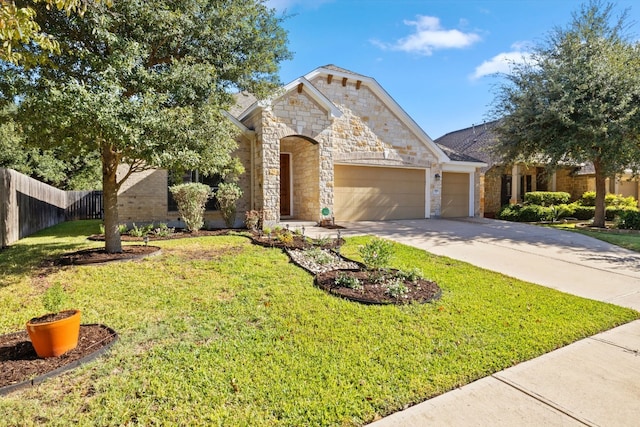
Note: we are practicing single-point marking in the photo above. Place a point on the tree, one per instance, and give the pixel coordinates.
(18, 25)
(49, 166)
(578, 100)
(144, 85)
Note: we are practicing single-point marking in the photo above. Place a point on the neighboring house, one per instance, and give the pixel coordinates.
(507, 184)
(334, 141)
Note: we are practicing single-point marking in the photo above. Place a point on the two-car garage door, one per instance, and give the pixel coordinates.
(377, 193)
(364, 193)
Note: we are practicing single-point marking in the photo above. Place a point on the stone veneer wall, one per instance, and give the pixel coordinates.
(493, 190)
(576, 185)
(294, 114)
(368, 133)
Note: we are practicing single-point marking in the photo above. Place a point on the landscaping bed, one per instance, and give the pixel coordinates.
(20, 366)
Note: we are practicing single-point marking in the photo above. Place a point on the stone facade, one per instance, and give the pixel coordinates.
(319, 121)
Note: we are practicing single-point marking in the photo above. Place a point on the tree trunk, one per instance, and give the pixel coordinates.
(110, 161)
(601, 190)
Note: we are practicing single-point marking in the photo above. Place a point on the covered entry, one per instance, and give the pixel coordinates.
(455, 195)
(378, 193)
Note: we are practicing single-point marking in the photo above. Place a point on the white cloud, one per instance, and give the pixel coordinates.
(501, 63)
(429, 36)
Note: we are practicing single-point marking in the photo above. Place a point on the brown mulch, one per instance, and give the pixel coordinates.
(421, 291)
(19, 362)
(100, 255)
(177, 234)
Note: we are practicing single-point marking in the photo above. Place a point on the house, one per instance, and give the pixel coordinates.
(506, 184)
(330, 144)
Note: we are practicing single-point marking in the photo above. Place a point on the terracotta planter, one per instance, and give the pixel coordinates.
(54, 338)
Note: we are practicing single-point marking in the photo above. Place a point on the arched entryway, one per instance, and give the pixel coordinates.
(299, 178)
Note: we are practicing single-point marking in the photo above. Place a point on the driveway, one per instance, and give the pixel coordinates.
(563, 260)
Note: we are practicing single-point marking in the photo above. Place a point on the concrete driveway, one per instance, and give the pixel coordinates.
(569, 262)
(593, 382)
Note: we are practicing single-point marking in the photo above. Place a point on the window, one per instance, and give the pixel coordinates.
(194, 176)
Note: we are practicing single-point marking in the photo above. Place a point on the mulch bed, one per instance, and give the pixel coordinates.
(421, 291)
(19, 362)
(100, 255)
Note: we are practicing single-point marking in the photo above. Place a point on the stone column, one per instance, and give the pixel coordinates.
(515, 184)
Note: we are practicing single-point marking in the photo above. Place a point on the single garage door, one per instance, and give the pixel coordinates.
(455, 195)
(371, 193)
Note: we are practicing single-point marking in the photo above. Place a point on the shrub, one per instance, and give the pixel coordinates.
(583, 212)
(616, 200)
(628, 220)
(547, 198)
(588, 198)
(611, 212)
(191, 198)
(377, 253)
(54, 298)
(228, 194)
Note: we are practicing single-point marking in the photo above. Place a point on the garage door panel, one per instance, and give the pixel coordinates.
(372, 193)
(455, 195)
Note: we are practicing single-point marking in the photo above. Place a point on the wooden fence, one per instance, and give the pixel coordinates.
(28, 205)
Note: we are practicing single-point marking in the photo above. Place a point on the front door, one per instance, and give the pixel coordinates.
(285, 184)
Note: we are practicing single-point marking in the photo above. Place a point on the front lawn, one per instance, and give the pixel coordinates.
(217, 331)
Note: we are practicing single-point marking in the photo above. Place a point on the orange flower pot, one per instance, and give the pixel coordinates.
(54, 338)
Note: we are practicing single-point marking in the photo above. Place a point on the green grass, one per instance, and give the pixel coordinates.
(629, 240)
(217, 331)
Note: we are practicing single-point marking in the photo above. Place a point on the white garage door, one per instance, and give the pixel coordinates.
(370, 193)
(455, 195)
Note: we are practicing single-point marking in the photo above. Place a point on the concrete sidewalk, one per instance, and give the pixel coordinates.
(593, 382)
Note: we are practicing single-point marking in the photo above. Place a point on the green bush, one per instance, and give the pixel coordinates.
(583, 212)
(191, 198)
(628, 220)
(611, 212)
(528, 213)
(616, 200)
(547, 198)
(228, 194)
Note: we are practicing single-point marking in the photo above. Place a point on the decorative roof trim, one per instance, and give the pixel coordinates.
(298, 85)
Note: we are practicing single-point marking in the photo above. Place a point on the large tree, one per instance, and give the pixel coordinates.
(577, 100)
(18, 25)
(144, 84)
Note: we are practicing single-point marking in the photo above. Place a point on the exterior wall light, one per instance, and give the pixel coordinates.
(437, 177)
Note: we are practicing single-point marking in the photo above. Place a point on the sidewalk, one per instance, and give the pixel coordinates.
(592, 382)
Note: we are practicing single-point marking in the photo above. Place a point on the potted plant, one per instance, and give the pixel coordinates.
(57, 332)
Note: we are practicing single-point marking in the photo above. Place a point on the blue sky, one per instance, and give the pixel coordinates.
(436, 58)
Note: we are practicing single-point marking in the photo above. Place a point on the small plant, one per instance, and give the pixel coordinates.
(322, 241)
(54, 298)
(252, 219)
(123, 229)
(286, 237)
(277, 229)
(396, 288)
(377, 253)
(267, 230)
(162, 230)
(412, 275)
(319, 256)
(348, 281)
(140, 231)
(191, 198)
